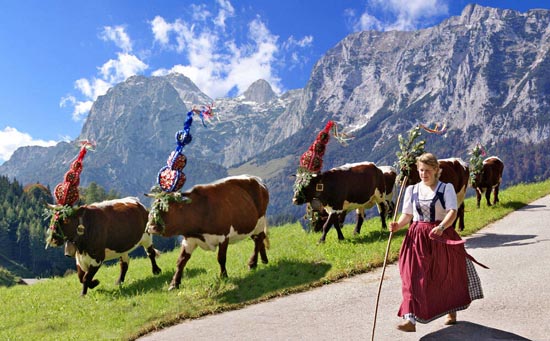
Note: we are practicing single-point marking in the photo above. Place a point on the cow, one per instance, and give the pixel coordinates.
(340, 190)
(213, 215)
(454, 171)
(103, 231)
(488, 180)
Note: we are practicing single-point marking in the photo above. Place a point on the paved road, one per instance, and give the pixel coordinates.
(516, 304)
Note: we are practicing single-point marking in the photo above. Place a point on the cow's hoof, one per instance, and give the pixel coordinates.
(250, 267)
(94, 283)
(157, 271)
(173, 286)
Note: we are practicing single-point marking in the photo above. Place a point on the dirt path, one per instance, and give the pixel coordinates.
(516, 304)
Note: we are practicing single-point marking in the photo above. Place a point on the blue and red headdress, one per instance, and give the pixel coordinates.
(171, 177)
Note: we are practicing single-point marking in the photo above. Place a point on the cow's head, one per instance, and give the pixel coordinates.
(475, 179)
(305, 187)
(64, 226)
(160, 209)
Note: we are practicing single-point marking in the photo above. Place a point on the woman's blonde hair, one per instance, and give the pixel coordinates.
(430, 160)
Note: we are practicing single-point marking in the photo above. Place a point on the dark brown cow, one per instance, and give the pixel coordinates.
(454, 171)
(104, 231)
(214, 215)
(488, 180)
(342, 189)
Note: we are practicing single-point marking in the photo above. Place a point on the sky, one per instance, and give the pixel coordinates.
(58, 56)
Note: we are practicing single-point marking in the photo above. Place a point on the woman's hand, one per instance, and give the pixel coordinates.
(394, 226)
(438, 230)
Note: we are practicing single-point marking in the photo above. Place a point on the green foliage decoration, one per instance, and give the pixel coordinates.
(409, 151)
(54, 214)
(476, 161)
(161, 203)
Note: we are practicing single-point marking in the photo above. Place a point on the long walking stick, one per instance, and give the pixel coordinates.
(403, 185)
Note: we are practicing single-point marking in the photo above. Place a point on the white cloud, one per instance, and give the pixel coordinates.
(209, 53)
(402, 15)
(215, 62)
(226, 11)
(11, 139)
(118, 35)
(112, 72)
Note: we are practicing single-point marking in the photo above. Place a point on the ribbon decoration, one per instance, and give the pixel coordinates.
(436, 129)
(171, 178)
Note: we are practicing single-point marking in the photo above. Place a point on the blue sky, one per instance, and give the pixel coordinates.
(58, 56)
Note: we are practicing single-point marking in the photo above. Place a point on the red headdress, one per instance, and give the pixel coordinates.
(66, 192)
(312, 159)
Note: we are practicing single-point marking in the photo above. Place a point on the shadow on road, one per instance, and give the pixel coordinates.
(471, 331)
(489, 240)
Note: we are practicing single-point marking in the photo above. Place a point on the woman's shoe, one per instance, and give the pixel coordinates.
(407, 326)
(451, 318)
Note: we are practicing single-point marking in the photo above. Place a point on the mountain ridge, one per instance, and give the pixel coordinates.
(483, 74)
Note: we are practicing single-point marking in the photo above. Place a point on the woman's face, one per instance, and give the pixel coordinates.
(427, 173)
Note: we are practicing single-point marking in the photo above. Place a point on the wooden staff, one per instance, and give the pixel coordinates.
(403, 185)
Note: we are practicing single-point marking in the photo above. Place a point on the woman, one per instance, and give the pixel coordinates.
(438, 277)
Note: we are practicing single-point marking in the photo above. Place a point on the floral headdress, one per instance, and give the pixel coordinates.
(476, 160)
(66, 193)
(171, 177)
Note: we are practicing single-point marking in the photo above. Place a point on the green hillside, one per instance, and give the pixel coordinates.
(53, 310)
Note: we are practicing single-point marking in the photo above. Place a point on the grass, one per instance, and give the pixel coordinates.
(54, 310)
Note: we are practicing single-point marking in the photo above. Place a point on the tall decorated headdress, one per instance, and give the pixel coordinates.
(171, 177)
(311, 162)
(66, 194)
(476, 160)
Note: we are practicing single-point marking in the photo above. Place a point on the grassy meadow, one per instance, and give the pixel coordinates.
(54, 310)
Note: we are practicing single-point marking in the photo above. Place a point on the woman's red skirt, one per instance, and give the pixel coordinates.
(434, 274)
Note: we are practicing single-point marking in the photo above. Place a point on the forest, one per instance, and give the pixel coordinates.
(23, 228)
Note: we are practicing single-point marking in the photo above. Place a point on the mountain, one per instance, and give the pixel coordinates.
(483, 73)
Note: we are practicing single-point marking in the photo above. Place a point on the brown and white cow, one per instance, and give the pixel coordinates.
(488, 180)
(454, 171)
(214, 215)
(103, 231)
(342, 189)
(390, 176)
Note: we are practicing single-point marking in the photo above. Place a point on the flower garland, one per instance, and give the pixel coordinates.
(161, 202)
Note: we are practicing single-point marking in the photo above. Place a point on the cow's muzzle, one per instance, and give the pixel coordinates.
(70, 249)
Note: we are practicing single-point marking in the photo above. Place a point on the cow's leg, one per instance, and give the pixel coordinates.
(488, 196)
(382, 210)
(478, 196)
(153, 253)
(359, 218)
(80, 273)
(333, 219)
(89, 281)
(180, 265)
(123, 269)
(495, 199)
(222, 256)
(460, 217)
(259, 247)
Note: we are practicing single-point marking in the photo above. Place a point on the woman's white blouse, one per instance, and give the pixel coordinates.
(425, 196)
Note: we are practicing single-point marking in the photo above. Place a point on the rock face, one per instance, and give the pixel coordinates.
(483, 73)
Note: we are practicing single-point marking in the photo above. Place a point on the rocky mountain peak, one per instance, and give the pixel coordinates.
(260, 92)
